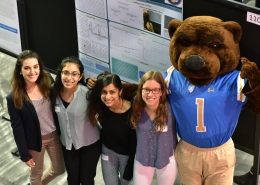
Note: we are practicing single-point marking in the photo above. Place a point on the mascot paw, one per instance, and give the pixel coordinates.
(250, 71)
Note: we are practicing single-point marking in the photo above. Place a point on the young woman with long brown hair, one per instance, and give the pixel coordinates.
(153, 119)
(32, 121)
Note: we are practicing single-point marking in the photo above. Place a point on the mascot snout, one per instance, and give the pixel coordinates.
(195, 62)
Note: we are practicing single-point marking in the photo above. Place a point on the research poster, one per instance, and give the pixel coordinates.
(10, 39)
(125, 37)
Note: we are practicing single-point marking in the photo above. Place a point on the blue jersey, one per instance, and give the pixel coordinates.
(206, 115)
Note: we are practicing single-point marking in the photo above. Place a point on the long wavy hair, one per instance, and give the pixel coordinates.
(57, 87)
(96, 106)
(138, 104)
(18, 83)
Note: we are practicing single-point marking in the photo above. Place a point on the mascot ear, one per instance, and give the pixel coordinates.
(173, 25)
(234, 28)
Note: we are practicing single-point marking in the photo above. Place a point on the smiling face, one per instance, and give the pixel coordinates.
(110, 96)
(151, 99)
(70, 75)
(30, 70)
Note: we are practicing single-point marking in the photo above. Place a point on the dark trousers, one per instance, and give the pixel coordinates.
(81, 164)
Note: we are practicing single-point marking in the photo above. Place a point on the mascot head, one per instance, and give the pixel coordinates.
(204, 47)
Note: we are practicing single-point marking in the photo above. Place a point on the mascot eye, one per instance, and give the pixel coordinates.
(215, 46)
(185, 42)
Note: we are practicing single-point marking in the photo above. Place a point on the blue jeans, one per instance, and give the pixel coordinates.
(113, 167)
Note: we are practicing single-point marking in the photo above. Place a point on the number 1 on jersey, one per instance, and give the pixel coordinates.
(200, 115)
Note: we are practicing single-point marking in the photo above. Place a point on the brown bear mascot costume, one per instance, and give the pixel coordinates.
(207, 94)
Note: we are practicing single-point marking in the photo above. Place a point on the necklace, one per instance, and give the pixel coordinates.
(150, 113)
(119, 108)
(66, 96)
(32, 90)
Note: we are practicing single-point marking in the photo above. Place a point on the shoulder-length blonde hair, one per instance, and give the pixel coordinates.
(138, 105)
(18, 83)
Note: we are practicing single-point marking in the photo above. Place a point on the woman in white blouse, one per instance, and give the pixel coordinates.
(80, 140)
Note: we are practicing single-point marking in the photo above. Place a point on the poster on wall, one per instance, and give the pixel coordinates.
(10, 39)
(125, 37)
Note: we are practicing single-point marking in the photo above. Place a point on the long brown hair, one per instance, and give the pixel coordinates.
(138, 105)
(18, 84)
